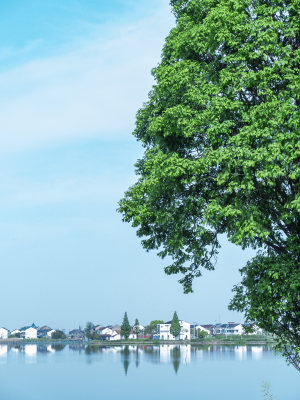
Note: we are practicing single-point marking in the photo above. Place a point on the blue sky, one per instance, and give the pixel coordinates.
(72, 76)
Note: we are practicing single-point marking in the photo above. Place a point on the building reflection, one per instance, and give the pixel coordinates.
(3, 351)
(175, 355)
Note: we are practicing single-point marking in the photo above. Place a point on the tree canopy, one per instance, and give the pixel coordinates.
(175, 326)
(151, 329)
(89, 330)
(58, 335)
(125, 327)
(221, 137)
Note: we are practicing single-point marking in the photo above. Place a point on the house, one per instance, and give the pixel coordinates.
(207, 327)
(29, 332)
(106, 331)
(116, 335)
(163, 331)
(195, 328)
(140, 327)
(45, 331)
(253, 329)
(98, 328)
(15, 332)
(231, 328)
(76, 334)
(4, 333)
(132, 335)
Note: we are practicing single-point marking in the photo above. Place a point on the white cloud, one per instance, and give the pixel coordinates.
(91, 90)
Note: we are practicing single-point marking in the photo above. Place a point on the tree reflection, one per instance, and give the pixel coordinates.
(175, 358)
(125, 358)
(90, 349)
(58, 346)
(137, 357)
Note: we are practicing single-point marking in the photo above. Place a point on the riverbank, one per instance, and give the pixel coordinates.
(214, 340)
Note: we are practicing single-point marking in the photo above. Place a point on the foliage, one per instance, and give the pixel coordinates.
(89, 330)
(136, 328)
(222, 148)
(269, 293)
(175, 326)
(151, 329)
(201, 334)
(58, 335)
(125, 327)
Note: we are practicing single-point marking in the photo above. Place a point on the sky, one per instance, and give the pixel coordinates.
(72, 76)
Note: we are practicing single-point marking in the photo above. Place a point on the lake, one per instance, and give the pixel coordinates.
(77, 372)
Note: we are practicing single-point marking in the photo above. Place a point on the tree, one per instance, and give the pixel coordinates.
(220, 132)
(136, 328)
(125, 327)
(151, 329)
(201, 334)
(58, 335)
(175, 326)
(89, 330)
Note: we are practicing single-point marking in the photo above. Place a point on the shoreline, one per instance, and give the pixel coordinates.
(239, 341)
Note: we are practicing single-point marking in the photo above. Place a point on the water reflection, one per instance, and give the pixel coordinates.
(175, 355)
(125, 358)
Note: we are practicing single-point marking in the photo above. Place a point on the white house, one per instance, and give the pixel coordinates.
(255, 329)
(196, 328)
(231, 328)
(105, 331)
(132, 335)
(15, 332)
(164, 333)
(4, 333)
(29, 333)
(115, 336)
(141, 328)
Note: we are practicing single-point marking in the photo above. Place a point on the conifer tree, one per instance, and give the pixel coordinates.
(175, 326)
(125, 327)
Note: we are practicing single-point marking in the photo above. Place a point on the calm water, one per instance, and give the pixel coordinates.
(54, 372)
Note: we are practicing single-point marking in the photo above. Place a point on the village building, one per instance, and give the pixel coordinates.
(45, 332)
(4, 333)
(231, 328)
(15, 332)
(29, 332)
(76, 334)
(196, 327)
(163, 331)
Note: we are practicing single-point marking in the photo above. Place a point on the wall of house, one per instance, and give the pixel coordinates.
(3, 333)
(30, 333)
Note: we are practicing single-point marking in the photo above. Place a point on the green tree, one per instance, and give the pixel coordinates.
(89, 330)
(175, 326)
(201, 334)
(136, 328)
(151, 329)
(222, 148)
(125, 327)
(58, 335)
